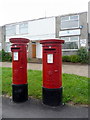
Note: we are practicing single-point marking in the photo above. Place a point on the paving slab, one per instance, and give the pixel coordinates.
(34, 108)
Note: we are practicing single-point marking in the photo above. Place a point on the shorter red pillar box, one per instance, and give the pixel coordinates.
(52, 71)
(19, 69)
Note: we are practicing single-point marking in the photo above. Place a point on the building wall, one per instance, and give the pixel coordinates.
(89, 24)
(89, 15)
(42, 29)
(0, 38)
(30, 50)
(37, 29)
(84, 30)
(3, 37)
(38, 50)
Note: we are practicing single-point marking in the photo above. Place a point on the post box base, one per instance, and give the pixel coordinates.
(19, 93)
(52, 97)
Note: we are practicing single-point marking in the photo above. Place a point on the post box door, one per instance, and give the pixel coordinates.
(19, 66)
(51, 69)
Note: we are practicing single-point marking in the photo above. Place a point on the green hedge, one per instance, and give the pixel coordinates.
(71, 58)
(5, 56)
(66, 58)
(74, 58)
(82, 56)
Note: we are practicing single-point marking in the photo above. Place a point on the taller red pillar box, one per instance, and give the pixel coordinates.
(19, 69)
(52, 72)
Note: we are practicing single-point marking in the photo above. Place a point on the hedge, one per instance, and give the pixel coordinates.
(82, 56)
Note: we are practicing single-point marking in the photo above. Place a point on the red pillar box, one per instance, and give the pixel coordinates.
(52, 71)
(19, 69)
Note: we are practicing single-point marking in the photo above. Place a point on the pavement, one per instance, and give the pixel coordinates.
(35, 109)
(77, 69)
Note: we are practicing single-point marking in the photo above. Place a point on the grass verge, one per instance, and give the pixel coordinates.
(75, 88)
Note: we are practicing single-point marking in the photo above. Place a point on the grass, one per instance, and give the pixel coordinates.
(75, 88)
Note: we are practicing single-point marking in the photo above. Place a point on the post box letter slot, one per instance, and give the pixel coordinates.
(15, 48)
(49, 58)
(49, 49)
(15, 56)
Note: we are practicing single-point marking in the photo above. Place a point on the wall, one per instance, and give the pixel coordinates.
(0, 38)
(84, 30)
(69, 53)
(89, 24)
(42, 29)
(38, 50)
(37, 29)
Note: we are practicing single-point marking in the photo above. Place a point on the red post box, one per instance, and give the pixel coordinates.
(52, 71)
(19, 69)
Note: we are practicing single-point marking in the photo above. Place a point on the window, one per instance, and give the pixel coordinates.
(10, 30)
(68, 22)
(8, 47)
(23, 28)
(70, 42)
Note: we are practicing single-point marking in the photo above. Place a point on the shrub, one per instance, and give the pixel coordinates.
(83, 55)
(5, 56)
(29, 59)
(66, 58)
(74, 58)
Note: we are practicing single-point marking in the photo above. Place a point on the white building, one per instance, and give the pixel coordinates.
(72, 28)
(35, 30)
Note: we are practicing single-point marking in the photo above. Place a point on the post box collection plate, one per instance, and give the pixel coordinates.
(49, 58)
(15, 55)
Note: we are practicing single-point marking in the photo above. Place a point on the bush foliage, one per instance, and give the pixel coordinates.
(5, 56)
(82, 56)
(66, 58)
(74, 58)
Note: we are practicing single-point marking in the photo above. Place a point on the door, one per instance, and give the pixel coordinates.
(33, 50)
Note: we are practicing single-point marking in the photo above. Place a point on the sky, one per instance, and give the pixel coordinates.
(21, 10)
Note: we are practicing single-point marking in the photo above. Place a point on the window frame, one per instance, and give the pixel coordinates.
(70, 41)
(21, 33)
(62, 21)
(9, 27)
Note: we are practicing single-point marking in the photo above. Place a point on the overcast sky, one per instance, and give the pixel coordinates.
(20, 10)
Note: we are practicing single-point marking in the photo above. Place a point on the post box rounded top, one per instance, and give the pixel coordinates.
(19, 40)
(52, 41)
